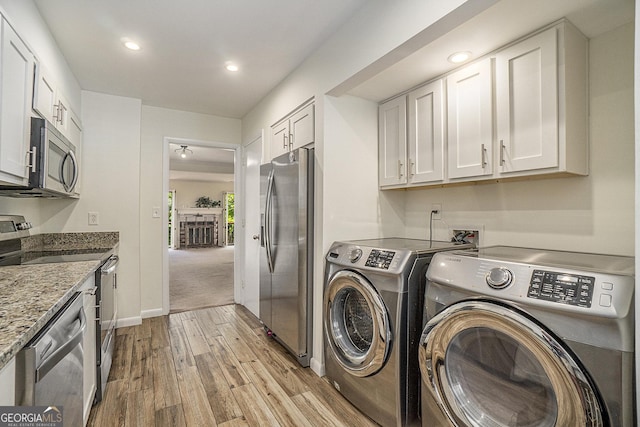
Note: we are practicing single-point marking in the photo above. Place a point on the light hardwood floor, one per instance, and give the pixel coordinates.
(211, 367)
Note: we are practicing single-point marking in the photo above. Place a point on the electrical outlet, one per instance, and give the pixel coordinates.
(436, 211)
(94, 218)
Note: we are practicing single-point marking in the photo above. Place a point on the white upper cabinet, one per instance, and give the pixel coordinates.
(527, 104)
(16, 86)
(470, 121)
(295, 131)
(426, 139)
(50, 102)
(392, 142)
(280, 139)
(302, 127)
(541, 104)
(519, 112)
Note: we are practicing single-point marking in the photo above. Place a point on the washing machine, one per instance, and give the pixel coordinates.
(528, 337)
(373, 298)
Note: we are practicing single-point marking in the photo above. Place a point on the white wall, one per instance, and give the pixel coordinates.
(187, 192)
(591, 214)
(158, 124)
(110, 186)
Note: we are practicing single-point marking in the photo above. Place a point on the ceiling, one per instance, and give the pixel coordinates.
(205, 164)
(513, 18)
(186, 44)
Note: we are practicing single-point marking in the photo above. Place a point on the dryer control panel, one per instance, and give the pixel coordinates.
(380, 259)
(564, 288)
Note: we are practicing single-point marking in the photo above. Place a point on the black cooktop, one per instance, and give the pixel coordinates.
(47, 257)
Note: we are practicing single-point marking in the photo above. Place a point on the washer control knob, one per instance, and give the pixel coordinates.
(355, 255)
(499, 278)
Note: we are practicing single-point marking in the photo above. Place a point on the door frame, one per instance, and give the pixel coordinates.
(249, 293)
(238, 186)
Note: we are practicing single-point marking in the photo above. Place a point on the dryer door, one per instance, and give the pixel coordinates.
(486, 364)
(356, 324)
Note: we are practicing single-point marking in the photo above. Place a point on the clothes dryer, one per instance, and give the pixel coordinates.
(528, 337)
(374, 291)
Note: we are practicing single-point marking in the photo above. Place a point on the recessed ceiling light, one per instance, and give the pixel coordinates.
(232, 67)
(131, 45)
(459, 57)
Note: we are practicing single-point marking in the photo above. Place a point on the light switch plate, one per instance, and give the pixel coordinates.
(155, 212)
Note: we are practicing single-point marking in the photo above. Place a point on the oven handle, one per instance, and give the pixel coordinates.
(47, 364)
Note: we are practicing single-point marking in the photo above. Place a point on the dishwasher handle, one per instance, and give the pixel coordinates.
(110, 265)
(47, 364)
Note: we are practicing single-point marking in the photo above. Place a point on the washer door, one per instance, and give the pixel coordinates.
(486, 364)
(356, 324)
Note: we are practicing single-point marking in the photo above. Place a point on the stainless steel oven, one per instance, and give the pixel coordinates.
(107, 310)
(49, 369)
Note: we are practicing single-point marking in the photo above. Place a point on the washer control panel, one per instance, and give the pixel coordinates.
(380, 259)
(572, 289)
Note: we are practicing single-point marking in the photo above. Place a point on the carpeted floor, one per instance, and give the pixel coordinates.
(200, 278)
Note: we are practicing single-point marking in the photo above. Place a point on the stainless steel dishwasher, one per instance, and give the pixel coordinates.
(49, 369)
(107, 312)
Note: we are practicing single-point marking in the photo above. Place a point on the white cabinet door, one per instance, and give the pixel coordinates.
(392, 142)
(50, 102)
(280, 139)
(527, 104)
(16, 87)
(8, 384)
(44, 93)
(470, 121)
(426, 139)
(301, 128)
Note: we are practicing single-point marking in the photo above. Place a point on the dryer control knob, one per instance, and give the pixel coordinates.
(355, 255)
(499, 278)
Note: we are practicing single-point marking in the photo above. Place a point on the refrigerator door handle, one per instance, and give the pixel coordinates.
(268, 220)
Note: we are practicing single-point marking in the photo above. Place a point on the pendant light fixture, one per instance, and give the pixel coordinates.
(183, 151)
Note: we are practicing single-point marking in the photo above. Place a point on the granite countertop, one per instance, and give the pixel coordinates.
(30, 295)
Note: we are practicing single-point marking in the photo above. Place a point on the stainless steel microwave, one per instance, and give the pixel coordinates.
(53, 165)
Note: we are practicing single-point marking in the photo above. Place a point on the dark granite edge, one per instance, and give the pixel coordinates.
(70, 241)
(8, 352)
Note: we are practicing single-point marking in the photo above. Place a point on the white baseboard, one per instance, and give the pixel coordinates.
(129, 321)
(145, 314)
(317, 367)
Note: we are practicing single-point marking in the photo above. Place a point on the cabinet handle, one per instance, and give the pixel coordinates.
(32, 163)
(290, 141)
(60, 112)
(501, 152)
(483, 156)
(56, 112)
(400, 169)
(285, 144)
(412, 168)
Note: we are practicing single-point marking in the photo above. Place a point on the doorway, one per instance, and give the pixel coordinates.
(228, 213)
(200, 263)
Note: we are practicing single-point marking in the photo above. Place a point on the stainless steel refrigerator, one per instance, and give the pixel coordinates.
(286, 253)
